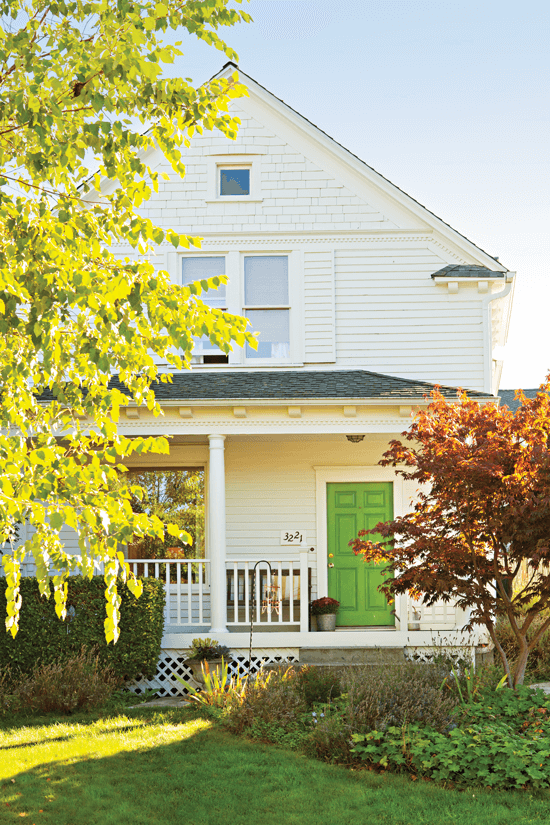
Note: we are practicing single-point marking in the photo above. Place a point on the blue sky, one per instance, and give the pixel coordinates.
(449, 100)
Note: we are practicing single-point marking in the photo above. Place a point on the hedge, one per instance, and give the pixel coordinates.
(42, 637)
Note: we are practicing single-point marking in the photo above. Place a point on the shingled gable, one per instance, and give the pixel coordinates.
(415, 215)
(303, 385)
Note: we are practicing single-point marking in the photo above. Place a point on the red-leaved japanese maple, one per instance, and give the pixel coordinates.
(482, 516)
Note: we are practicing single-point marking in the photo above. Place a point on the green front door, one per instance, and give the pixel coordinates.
(350, 508)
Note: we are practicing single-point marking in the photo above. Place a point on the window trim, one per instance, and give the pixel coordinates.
(291, 307)
(214, 351)
(215, 163)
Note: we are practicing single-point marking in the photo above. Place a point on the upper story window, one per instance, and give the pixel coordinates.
(233, 178)
(266, 304)
(198, 269)
(234, 181)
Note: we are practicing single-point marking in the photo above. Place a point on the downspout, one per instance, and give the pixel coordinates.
(487, 329)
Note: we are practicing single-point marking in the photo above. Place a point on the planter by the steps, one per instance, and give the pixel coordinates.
(214, 666)
(326, 621)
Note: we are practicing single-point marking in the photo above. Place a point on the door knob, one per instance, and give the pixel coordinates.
(331, 565)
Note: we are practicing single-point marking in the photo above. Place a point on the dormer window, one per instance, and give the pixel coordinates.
(234, 181)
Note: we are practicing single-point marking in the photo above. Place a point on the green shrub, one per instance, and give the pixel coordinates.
(375, 698)
(502, 741)
(76, 683)
(274, 697)
(43, 638)
(520, 709)
(293, 737)
(486, 754)
(538, 663)
(318, 684)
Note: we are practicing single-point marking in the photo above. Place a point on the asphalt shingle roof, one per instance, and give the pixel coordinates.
(467, 271)
(507, 398)
(295, 384)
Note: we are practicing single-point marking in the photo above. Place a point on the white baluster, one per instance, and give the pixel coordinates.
(168, 616)
(201, 567)
(290, 593)
(246, 593)
(190, 592)
(304, 586)
(178, 592)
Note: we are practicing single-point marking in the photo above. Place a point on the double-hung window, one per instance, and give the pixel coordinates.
(266, 305)
(199, 269)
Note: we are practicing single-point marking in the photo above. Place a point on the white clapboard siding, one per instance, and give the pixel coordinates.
(390, 317)
(318, 307)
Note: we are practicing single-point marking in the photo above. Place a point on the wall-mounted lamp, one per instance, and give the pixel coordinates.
(355, 439)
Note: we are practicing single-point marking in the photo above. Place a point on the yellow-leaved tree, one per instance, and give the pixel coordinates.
(71, 75)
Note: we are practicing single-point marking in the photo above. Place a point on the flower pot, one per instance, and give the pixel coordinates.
(326, 621)
(214, 666)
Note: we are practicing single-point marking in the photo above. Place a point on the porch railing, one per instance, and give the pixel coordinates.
(276, 596)
(187, 588)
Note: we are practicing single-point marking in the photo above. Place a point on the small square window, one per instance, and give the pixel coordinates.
(234, 182)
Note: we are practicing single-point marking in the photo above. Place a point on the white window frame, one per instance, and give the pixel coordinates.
(197, 357)
(215, 163)
(234, 269)
(293, 307)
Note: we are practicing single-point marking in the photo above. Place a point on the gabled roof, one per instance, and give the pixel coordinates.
(294, 384)
(467, 271)
(385, 185)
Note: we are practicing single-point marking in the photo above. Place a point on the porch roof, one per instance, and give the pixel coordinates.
(294, 384)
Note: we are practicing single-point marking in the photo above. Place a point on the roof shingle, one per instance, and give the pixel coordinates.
(295, 384)
(467, 271)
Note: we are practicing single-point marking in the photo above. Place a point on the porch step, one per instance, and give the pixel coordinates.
(351, 656)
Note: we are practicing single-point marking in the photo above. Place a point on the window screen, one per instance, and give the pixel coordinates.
(266, 293)
(197, 269)
(266, 280)
(235, 182)
(273, 326)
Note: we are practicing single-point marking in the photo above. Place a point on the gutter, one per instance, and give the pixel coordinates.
(487, 331)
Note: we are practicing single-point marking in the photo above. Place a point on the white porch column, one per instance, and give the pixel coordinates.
(216, 531)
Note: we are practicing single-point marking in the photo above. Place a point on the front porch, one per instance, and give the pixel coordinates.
(268, 593)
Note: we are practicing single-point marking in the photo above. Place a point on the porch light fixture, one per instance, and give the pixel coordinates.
(355, 439)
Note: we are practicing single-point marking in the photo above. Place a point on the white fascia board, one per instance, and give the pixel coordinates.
(390, 190)
(307, 402)
(445, 279)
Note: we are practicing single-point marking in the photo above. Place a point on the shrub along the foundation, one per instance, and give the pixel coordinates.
(43, 638)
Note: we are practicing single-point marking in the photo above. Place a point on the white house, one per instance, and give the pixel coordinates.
(364, 299)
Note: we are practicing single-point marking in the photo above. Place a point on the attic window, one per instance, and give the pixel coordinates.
(234, 182)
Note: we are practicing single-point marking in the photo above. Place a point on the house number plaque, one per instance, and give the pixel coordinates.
(293, 537)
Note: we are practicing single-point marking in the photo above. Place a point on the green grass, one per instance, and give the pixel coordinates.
(170, 767)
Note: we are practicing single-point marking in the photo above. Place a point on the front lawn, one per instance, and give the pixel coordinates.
(171, 767)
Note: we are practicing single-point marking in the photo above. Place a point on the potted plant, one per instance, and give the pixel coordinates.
(325, 610)
(206, 655)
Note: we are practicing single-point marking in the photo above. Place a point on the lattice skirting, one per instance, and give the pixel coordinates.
(172, 662)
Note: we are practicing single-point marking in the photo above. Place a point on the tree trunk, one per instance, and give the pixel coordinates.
(521, 664)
